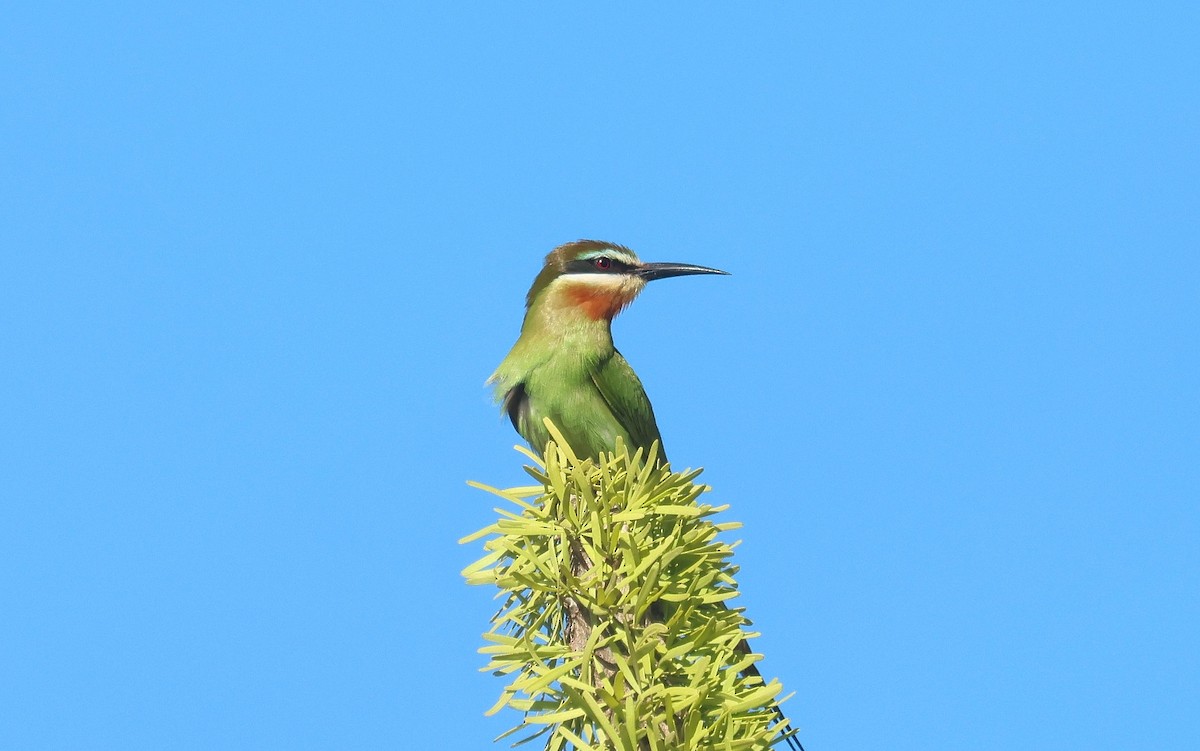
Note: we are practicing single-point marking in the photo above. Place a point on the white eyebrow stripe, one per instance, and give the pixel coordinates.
(612, 253)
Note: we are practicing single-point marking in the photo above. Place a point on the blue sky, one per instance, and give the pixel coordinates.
(257, 263)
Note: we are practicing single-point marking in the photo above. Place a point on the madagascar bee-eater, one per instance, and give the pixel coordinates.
(564, 365)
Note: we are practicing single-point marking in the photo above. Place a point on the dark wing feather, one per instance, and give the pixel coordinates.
(627, 400)
(516, 406)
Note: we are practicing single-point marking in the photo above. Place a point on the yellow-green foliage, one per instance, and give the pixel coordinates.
(631, 548)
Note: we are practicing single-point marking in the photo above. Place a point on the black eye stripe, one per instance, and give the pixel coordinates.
(591, 266)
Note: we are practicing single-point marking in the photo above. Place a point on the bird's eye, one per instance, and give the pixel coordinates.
(602, 263)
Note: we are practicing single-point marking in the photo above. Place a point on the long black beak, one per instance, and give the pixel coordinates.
(652, 271)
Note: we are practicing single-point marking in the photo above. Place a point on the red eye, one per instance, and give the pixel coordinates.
(603, 263)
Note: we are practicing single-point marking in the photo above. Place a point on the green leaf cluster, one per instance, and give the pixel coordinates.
(614, 632)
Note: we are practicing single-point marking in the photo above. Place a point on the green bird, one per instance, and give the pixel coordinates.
(564, 365)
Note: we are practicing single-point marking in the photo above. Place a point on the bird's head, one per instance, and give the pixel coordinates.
(598, 279)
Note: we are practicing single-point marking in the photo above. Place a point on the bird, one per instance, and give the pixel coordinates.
(564, 365)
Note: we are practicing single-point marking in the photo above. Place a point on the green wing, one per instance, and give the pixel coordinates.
(627, 400)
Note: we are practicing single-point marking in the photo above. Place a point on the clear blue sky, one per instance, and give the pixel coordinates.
(256, 263)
